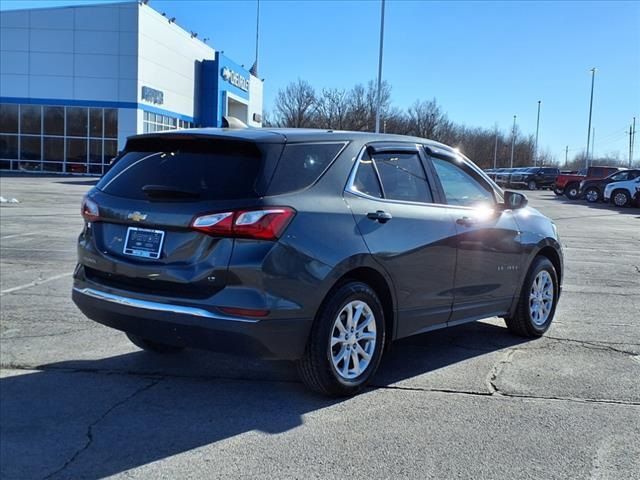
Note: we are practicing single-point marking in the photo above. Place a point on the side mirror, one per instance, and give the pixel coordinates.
(514, 200)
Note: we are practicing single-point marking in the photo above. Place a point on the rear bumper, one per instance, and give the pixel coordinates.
(194, 327)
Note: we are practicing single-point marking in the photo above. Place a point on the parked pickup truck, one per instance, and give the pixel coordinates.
(569, 184)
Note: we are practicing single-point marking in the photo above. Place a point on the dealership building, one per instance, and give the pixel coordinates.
(75, 82)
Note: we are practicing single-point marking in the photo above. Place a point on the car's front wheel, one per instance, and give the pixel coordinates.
(346, 341)
(558, 191)
(621, 198)
(151, 346)
(572, 191)
(532, 185)
(592, 194)
(537, 303)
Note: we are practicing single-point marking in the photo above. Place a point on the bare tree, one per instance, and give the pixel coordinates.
(424, 117)
(295, 105)
(332, 109)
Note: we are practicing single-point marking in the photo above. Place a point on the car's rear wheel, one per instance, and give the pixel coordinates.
(346, 341)
(532, 185)
(151, 346)
(537, 303)
(558, 191)
(572, 190)
(621, 198)
(592, 195)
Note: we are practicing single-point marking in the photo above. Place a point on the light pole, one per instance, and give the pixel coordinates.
(566, 156)
(380, 68)
(513, 140)
(495, 152)
(593, 78)
(535, 149)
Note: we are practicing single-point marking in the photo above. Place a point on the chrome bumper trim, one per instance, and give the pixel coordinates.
(156, 306)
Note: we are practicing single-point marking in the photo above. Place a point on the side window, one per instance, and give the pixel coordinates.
(459, 186)
(618, 177)
(403, 177)
(366, 180)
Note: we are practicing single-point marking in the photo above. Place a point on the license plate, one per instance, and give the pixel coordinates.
(143, 242)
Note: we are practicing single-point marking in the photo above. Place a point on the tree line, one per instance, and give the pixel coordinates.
(300, 105)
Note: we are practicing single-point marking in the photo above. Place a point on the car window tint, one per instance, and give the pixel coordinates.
(403, 177)
(366, 179)
(301, 165)
(459, 186)
(620, 176)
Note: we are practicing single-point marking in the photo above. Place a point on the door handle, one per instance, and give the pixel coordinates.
(466, 221)
(379, 216)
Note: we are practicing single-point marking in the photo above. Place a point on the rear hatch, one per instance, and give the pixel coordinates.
(142, 238)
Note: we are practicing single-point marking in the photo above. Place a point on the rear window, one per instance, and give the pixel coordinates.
(186, 170)
(301, 164)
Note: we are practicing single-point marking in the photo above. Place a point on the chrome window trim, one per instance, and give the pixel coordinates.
(156, 306)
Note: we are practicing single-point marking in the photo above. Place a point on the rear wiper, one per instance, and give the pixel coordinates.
(164, 191)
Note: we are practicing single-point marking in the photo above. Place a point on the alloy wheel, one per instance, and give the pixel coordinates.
(591, 195)
(541, 298)
(620, 199)
(353, 339)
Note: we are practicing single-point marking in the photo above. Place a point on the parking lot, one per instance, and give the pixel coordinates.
(78, 400)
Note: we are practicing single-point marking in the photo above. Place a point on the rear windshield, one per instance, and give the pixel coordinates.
(186, 170)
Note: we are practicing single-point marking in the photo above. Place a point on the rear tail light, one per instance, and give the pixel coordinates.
(89, 210)
(261, 223)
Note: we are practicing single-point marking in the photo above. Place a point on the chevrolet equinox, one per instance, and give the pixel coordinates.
(315, 246)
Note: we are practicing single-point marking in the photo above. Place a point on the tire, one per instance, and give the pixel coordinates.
(592, 195)
(318, 368)
(620, 198)
(532, 185)
(151, 346)
(572, 191)
(558, 191)
(526, 322)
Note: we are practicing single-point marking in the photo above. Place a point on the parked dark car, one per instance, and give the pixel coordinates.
(593, 190)
(314, 246)
(534, 178)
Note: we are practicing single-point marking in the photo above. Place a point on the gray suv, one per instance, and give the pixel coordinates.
(315, 246)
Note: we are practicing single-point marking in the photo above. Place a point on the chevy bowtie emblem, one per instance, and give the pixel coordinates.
(137, 216)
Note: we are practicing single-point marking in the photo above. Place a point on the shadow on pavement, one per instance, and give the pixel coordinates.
(92, 419)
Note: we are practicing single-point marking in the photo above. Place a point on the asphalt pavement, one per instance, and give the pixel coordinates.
(77, 400)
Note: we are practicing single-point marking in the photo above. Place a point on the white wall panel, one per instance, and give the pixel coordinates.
(96, 42)
(45, 86)
(14, 85)
(255, 99)
(98, 18)
(51, 63)
(14, 62)
(16, 39)
(105, 89)
(58, 41)
(98, 66)
(56, 18)
(14, 19)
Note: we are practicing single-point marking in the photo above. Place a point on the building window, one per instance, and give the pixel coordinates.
(57, 139)
(154, 122)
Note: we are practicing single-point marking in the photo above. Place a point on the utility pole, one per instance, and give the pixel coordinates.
(593, 78)
(380, 67)
(593, 143)
(254, 67)
(630, 143)
(513, 140)
(633, 140)
(566, 156)
(495, 152)
(535, 149)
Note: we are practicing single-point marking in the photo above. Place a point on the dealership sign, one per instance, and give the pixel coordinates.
(235, 79)
(152, 95)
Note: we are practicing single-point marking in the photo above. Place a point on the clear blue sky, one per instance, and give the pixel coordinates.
(482, 61)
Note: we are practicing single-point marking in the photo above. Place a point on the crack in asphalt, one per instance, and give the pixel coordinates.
(490, 381)
(89, 433)
(20, 337)
(593, 345)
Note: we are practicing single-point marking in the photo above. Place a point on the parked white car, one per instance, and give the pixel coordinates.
(623, 193)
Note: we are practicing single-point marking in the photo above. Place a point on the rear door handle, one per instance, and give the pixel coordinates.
(465, 221)
(379, 216)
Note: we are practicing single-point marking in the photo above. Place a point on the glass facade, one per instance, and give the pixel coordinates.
(154, 122)
(43, 138)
